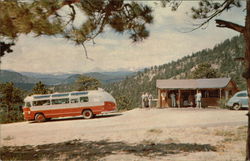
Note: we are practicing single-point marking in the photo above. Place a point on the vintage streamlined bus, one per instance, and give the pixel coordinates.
(86, 103)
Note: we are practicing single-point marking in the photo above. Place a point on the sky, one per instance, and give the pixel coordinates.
(167, 42)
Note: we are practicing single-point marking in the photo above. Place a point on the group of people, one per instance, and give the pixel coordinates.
(174, 102)
(147, 99)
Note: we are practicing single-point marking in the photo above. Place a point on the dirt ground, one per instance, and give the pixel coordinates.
(139, 134)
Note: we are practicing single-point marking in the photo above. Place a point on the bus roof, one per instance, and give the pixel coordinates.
(58, 95)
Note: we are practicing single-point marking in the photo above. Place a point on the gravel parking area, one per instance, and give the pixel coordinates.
(221, 130)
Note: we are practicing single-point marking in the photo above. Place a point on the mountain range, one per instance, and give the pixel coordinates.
(26, 80)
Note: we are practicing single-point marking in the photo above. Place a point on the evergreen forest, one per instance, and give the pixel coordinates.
(224, 58)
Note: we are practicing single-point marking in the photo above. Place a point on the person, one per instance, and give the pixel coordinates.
(198, 99)
(142, 100)
(173, 100)
(150, 100)
(146, 100)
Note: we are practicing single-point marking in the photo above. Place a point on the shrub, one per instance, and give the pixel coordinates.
(222, 103)
(15, 115)
(123, 103)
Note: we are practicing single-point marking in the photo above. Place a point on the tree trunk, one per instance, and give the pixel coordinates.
(247, 72)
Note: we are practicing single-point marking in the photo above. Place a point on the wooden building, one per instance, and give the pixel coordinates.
(185, 90)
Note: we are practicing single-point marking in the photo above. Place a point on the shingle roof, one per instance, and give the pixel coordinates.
(192, 83)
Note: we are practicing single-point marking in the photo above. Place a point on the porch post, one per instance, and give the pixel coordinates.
(220, 93)
(179, 98)
(159, 104)
(166, 99)
(226, 94)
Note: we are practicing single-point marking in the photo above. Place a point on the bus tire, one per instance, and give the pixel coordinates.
(87, 114)
(39, 117)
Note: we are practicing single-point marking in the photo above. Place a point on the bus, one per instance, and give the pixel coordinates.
(86, 103)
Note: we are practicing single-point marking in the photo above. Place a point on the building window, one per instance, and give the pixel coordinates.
(214, 93)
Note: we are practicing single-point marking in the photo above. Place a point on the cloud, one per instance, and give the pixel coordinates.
(115, 51)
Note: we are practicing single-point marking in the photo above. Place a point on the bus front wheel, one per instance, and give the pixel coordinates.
(40, 117)
(87, 114)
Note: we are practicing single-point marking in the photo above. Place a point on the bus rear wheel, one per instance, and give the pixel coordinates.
(87, 114)
(40, 117)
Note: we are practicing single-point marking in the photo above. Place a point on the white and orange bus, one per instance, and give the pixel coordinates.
(86, 103)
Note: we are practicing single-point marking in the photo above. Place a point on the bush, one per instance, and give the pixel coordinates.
(15, 115)
(123, 103)
(222, 103)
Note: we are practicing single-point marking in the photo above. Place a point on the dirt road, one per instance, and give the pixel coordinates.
(126, 126)
(132, 127)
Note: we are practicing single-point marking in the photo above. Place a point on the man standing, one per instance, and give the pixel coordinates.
(146, 100)
(150, 98)
(142, 100)
(173, 100)
(198, 99)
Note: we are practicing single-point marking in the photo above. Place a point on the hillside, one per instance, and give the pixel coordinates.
(20, 81)
(109, 77)
(221, 57)
(15, 77)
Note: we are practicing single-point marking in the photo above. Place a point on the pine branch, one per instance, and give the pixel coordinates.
(86, 52)
(224, 5)
(231, 25)
(65, 2)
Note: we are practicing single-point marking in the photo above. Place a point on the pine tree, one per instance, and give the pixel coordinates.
(84, 83)
(204, 70)
(11, 98)
(40, 88)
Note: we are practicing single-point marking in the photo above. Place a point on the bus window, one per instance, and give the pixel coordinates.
(74, 100)
(27, 104)
(41, 103)
(60, 101)
(84, 99)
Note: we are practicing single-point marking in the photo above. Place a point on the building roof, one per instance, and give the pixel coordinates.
(192, 83)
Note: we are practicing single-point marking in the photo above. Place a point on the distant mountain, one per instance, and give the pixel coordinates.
(70, 79)
(27, 80)
(44, 75)
(15, 77)
(221, 57)
(109, 77)
(20, 81)
(49, 79)
(120, 73)
(103, 77)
